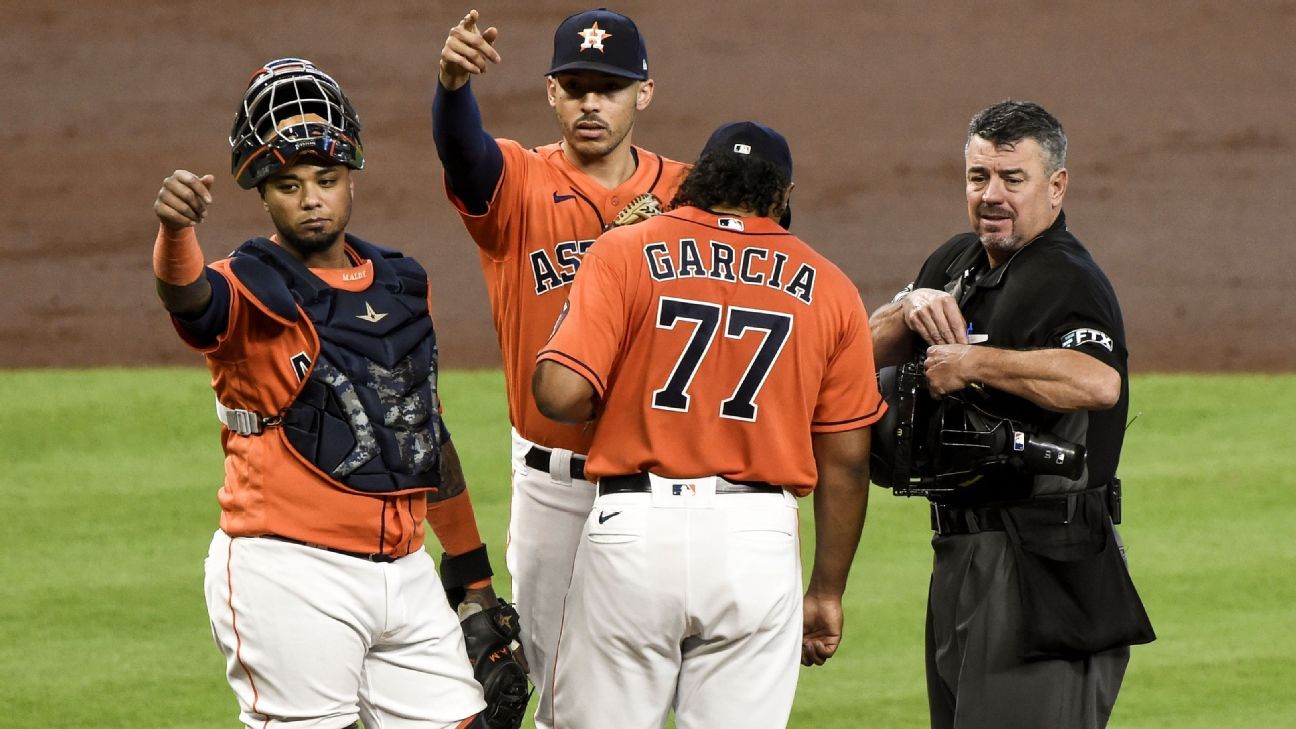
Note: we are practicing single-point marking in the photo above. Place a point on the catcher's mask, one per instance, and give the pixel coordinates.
(924, 446)
(292, 108)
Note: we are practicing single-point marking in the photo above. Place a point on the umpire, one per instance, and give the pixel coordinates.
(1031, 610)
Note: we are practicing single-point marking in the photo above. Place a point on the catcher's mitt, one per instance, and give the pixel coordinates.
(639, 209)
(491, 636)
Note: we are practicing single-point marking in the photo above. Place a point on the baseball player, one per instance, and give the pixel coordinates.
(727, 364)
(323, 360)
(533, 213)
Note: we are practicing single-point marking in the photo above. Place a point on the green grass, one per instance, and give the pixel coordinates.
(108, 495)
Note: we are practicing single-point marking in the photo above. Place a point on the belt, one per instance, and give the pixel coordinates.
(947, 520)
(372, 557)
(637, 483)
(538, 458)
(975, 519)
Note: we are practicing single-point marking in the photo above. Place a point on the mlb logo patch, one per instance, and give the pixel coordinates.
(730, 224)
(1019, 440)
(683, 489)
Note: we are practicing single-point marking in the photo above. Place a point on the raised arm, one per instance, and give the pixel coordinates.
(181, 204)
(471, 158)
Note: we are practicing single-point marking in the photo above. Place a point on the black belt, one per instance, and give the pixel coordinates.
(373, 557)
(538, 458)
(975, 519)
(965, 520)
(637, 483)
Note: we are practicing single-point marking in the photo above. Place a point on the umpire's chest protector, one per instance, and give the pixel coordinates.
(366, 413)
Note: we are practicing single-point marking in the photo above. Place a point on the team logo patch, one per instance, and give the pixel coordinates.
(1079, 337)
(371, 316)
(594, 37)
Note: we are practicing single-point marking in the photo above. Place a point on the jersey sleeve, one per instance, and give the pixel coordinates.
(1084, 316)
(498, 231)
(849, 396)
(587, 337)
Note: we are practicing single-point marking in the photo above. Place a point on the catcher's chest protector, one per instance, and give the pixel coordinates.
(366, 412)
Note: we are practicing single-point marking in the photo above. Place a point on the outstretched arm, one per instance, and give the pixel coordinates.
(181, 204)
(472, 160)
(840, 503)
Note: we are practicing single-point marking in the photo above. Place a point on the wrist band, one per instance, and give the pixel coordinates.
(177, 259)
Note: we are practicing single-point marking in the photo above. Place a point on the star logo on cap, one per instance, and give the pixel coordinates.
(594, 36)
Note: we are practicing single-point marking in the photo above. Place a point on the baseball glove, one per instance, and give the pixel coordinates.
(638, 210)
(491, 636)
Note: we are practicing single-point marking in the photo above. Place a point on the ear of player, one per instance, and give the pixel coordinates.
(292, 108)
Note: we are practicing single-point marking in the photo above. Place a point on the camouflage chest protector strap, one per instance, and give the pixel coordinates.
(366, 414)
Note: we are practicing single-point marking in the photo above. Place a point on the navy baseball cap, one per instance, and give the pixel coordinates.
(600, 40)
(751, 139)
(757, 141)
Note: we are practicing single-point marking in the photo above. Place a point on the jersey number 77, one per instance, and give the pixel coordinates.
(706, 316)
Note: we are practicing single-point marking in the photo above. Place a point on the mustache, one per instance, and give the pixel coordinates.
(590, 119)
(984, 210)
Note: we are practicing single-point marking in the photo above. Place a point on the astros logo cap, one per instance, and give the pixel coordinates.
(600, 40)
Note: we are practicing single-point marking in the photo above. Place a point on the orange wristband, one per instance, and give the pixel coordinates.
(177, 259)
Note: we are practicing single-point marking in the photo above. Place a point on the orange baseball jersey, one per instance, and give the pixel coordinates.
(544, 215)
(718, 346)
(258, 364)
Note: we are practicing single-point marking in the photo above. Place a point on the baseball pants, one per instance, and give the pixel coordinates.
(545, 518)
(698, 610)
(315, 639)
(975, 677)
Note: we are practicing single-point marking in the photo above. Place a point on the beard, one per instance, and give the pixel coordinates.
(1001, 243)
(310, 244)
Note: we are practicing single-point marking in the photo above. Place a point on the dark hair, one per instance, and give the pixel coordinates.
(1011, 121)
(724, 178)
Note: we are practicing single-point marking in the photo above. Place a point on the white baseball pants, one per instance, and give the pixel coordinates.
(695, 609)
(315, 639)
(545, 518)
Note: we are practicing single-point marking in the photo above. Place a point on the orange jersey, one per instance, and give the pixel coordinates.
(268, 489)
(718, 346)
(544, 215)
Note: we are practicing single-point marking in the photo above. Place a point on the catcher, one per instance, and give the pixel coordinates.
(324, 364)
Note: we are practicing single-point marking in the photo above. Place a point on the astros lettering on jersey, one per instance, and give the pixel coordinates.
(544, 216)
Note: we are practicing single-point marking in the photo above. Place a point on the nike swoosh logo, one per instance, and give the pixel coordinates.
(605, 516)
(560, 198)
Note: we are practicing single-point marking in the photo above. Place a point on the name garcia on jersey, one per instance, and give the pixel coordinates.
(753, 266)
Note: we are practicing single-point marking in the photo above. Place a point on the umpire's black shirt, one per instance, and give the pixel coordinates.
(1050, 294)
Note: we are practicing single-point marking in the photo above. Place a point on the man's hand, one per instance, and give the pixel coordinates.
(183, 200)
(934, 316)
(467, 52)
(948, 368)
(822, 630)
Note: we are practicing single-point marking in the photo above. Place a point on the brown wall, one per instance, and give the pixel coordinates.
(1181, 116)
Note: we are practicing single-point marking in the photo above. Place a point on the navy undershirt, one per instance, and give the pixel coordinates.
(472, 160)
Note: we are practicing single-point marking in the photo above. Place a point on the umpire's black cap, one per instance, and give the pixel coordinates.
(600, 40)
